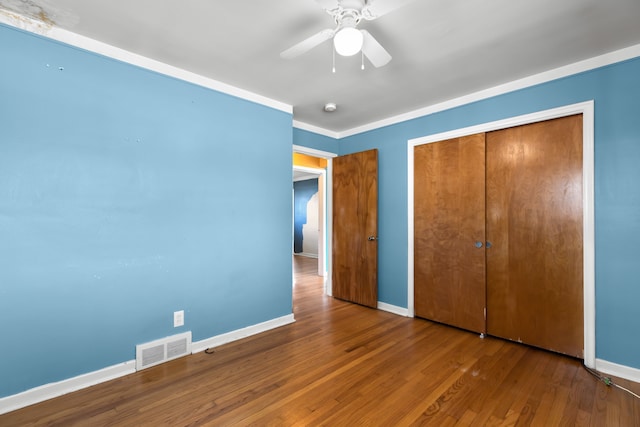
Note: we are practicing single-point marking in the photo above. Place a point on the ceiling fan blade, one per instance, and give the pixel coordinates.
(374, 50)
(307, 44)
(376, 8)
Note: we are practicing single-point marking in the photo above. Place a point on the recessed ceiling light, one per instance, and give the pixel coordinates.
(330, 107)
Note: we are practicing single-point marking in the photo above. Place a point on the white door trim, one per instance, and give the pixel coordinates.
(588, 183)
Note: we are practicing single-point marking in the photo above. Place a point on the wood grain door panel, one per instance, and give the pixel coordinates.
(355, 220)
(534, 222)
(449, 209)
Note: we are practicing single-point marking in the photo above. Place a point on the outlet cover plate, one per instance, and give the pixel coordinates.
(178, 318)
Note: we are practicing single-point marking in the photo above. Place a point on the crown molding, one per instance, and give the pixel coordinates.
(64, 36)
(315, 129)
(46, 30)
(544, 77)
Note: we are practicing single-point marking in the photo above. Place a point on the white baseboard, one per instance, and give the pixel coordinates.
(620, 371)
(400, 311)
(218, 340)
(49, 391)
(307, 254)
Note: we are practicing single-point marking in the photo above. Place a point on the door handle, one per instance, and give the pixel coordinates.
(372, 238)
(479, 244)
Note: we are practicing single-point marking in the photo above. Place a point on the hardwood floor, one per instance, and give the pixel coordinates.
(341, 364)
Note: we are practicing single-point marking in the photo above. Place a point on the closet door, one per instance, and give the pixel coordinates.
(534, 223)
(449, 206)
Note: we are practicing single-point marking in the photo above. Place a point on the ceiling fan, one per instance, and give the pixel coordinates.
(347, 39)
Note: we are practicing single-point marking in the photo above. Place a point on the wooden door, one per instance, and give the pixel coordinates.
(449, 207)
(534, 222)
(355, 228)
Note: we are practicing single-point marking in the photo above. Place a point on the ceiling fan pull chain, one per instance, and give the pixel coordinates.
(334, 59)
(362, 59)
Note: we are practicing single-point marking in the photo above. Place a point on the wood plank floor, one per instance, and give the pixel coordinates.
(341, 364)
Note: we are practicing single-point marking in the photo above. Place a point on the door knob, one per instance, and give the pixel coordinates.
(372, 238)
(478, 244)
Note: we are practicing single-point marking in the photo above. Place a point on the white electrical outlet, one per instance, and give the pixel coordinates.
(178, 318)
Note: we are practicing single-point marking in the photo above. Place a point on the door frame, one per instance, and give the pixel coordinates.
(328, 208)
(588, 215)
(321, 176)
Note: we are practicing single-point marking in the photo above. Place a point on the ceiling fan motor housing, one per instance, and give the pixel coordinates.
(346, 18)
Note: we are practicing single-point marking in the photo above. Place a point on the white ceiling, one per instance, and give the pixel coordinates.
(441, 49)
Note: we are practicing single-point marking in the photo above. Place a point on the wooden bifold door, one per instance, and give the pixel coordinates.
(498, 233)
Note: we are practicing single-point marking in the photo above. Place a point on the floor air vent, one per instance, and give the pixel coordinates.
(162, 350)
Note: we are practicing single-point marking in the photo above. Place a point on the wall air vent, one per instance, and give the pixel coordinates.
(162, 350)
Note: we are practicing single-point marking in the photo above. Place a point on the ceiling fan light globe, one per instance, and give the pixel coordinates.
(348, 41)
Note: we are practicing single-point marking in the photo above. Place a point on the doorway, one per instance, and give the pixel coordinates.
(325, 204)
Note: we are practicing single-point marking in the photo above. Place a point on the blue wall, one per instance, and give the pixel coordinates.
(303, 191)
(616, 92)
(126, 195)
(315, 141)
